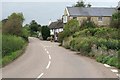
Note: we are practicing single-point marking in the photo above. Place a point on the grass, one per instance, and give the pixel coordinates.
(14, 55)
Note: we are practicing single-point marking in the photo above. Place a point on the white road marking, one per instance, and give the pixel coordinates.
(45, 49)
(49, 57)
(106, 65)
(48, 65)
(114, 70)
(40, 76)
(118, 75)
(47, 52)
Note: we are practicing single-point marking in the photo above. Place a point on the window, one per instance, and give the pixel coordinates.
(74, 17)
(99, 18)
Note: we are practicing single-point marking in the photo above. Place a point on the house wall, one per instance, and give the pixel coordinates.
(55, 30)
(105, 21)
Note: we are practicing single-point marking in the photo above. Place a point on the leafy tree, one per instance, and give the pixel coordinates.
(13, 25)
(34, 27)
(45, 32)
(82, 4)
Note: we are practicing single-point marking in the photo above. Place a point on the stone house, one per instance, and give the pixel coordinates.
(99, 15)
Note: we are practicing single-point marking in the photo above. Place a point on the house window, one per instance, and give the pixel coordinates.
(74, 17)
(100, 18)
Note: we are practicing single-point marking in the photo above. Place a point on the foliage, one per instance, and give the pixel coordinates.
(87, 24)
(103, 32)
(71, 27)
(82, 4)
(60, 37)
(34, 27)
(115, 22)
(66, 42)
(11, 44)
(25, 33)
(45, 32)
(13, 24)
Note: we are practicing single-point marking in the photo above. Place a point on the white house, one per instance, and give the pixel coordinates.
(55, 28)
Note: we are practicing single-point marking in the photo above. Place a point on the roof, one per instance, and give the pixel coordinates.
(56, 25)
(119, 5)
(92, 11)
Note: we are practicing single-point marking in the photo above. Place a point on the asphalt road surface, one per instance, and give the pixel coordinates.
(44, 59)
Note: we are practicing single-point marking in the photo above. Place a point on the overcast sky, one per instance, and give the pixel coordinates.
(44, 10)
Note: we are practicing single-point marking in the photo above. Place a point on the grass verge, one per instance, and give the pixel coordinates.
(14, 55)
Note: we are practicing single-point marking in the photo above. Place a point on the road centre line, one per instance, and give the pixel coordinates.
(48, 65)
(49, 57)
(47, 52)
(40, 76)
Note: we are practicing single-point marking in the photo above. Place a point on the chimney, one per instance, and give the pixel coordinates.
(50, 22)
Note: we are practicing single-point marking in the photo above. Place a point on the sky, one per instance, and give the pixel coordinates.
(45, 10)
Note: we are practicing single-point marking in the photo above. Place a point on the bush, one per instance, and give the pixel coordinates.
(71, 27)
(60, 37)
(25, 33)
(113, 61)
(66, 42)
(87, 24)
(45, 32)
(81, 44)
(11, 44)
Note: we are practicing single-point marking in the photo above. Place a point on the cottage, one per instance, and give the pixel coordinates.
(55, 28)
(100, 16)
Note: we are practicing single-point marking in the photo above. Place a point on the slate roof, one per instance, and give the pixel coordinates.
(56, 25)
(93, 11)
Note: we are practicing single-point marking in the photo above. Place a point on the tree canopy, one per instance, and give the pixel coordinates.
(45, 32)
(13, 25)
(82, 4)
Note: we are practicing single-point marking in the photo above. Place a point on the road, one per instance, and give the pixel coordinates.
(44, 59)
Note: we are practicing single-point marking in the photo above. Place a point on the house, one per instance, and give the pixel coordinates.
(55, 28)
(99, 15)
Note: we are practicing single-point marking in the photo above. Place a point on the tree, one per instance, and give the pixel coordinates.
(45, 32)
(82, 4)
(13, 25)
(34, 27)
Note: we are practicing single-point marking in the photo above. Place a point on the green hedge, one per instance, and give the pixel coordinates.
(11, 44)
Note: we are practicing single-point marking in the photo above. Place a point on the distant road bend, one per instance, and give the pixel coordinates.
(44, 59)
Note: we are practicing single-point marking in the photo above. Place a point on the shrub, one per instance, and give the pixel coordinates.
(25, 33)
(87, 24)
(60, 37)
(45, 32)
(11, 44)
(113, 61)
(66, 42)
(71, 27)
(81, 44)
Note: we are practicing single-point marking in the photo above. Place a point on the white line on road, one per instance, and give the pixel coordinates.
(106, 65)
(48, 65)
(47, 52)
(49, 57)
(40, 76)
(45, 49)
(114, 70)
